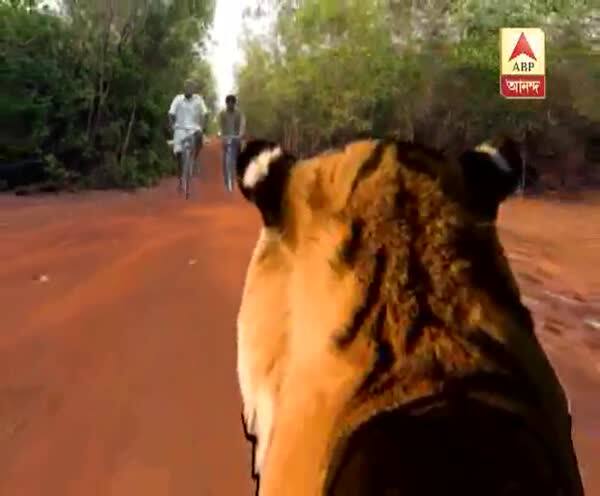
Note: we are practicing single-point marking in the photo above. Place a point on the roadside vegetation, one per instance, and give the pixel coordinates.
(330, 70)
(85, 90)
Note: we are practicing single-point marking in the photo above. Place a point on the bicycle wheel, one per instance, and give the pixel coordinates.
(229, 169)
(184, 167)
(189, 171)
(226, 171)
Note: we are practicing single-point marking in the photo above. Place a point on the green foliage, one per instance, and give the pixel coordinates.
(89, 90)
(330, 70)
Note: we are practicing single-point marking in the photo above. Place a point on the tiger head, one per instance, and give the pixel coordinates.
(380, 223)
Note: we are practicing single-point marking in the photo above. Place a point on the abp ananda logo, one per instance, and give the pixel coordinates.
(522, 63)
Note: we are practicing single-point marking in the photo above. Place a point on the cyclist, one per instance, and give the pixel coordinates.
(232, 125)
(187, 114)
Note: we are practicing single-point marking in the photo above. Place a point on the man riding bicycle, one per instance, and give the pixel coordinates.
(232, 125)
(187, 115)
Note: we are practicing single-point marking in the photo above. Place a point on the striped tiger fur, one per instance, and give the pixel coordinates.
(383, 347)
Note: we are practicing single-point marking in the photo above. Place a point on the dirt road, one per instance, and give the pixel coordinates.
(117, 336)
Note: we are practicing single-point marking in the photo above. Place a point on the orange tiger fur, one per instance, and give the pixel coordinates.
(378, 280)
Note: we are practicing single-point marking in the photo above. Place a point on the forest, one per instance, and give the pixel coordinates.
(83, 94)
(84, 91)
(330, 70)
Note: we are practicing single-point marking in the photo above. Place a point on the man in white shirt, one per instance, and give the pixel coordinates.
(187, 114)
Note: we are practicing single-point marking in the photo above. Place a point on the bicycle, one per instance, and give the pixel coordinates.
(231, 143)
(188, 146)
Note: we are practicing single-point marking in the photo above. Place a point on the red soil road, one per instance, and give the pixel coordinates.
(117, 375)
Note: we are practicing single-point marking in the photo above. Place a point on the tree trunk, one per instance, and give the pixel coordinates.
(102, 93)
(128, 134)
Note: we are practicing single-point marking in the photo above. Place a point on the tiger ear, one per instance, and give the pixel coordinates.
(492, 171)
(263, 170)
